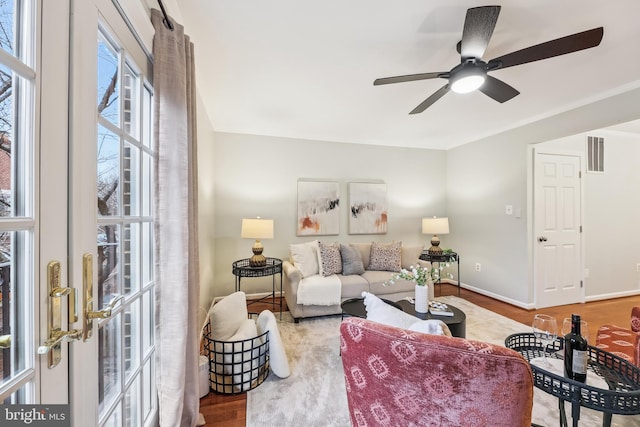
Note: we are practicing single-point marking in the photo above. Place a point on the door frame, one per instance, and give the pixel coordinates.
(533, 232)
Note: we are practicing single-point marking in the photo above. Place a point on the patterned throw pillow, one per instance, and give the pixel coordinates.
(329, 258)
(386, 256)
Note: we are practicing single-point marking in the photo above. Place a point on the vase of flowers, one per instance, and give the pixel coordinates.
(423, 278)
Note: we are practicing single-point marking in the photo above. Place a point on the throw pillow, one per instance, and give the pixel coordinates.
(410, 256)
(329, 258)
(227, 315)
(381, 312)
(277, 357)
(305, 257)
(351, 261)
(365, 253)
(241, 359)
(385, 256)
(431, 327)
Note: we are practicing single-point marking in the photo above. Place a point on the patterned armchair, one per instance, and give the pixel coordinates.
(622, 342)
(397, 377)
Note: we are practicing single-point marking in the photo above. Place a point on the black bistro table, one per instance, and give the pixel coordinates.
(621, 377)
(456, 323)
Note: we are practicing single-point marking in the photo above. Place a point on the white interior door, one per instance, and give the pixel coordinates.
(557, 229)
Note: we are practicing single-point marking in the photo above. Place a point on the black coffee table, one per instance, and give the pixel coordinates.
(456, 323)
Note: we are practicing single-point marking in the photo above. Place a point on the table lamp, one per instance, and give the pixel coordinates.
(257, 228)
(435, 226)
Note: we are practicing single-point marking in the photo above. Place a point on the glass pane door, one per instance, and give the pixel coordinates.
(124, 163)
(18, 231)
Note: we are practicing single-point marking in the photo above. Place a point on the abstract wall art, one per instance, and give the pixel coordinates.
(318, 208)
(367, 208)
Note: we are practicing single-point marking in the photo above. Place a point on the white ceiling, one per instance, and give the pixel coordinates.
(305, 70)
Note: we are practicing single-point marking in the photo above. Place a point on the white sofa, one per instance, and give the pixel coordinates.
(300, 265)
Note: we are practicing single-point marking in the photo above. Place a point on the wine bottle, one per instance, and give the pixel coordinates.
(576, 352)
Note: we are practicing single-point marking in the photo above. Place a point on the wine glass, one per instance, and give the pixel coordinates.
(545, 328)
(584, 328)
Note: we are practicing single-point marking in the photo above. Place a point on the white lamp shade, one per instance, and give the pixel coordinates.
(257, 228)
(435, 225)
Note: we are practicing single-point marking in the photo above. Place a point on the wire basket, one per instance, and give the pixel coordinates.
(236, 366)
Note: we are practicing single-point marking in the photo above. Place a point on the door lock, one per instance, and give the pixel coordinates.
(542, 239)
(57, 338)
(52, 347)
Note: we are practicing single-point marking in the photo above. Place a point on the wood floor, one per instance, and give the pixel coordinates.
(230, 411)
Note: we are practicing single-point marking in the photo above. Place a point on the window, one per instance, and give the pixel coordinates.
(125, 235)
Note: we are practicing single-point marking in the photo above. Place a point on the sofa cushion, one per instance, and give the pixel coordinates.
(351, 260)
(377, 279)
(329, 259)
(353, 286)
(227, 315)
(365, 253)
(385, 256)
(305, 257)
(410, 256)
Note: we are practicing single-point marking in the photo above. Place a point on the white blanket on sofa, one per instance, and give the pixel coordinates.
(319, 290)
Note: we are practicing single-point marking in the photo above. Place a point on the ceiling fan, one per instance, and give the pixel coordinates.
(471, 73)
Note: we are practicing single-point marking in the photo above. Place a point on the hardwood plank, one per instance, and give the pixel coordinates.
(230, 411)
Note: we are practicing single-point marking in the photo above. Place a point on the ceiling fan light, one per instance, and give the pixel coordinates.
(468, 83)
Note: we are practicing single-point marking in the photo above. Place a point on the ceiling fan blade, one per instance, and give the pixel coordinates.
(478, 27)
(430, 100)
(573, 43)
(410, 78)
(498, 90)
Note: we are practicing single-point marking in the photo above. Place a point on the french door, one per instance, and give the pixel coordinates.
(75, 204)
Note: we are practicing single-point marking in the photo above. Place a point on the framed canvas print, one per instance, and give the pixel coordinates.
(367, 208)
(318, 208)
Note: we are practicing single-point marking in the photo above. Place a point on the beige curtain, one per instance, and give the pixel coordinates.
(176, 263)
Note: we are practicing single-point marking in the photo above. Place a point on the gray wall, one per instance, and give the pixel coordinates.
(482, 178)
(257, 176)
(611, 206)
(486, 175)
(247, 176)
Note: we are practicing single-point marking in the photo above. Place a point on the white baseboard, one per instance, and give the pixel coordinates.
(251, 296)
(612, 295)
(491, 295)
(531, 306)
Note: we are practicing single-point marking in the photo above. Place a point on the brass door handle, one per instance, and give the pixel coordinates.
(5, 341)
(87, 299)
(105, 313)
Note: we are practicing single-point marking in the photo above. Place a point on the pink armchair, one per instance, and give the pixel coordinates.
(397, 377)
(622, 342)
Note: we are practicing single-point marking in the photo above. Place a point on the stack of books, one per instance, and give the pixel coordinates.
(439, 309)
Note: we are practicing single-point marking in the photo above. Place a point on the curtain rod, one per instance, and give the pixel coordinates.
(166, 20)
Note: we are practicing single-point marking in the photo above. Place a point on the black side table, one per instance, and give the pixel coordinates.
(241, 268)
(622, 378)
(444, 257)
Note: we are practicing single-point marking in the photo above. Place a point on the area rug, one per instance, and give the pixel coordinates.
(314, 395)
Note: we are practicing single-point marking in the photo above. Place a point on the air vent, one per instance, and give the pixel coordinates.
(595, 154)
